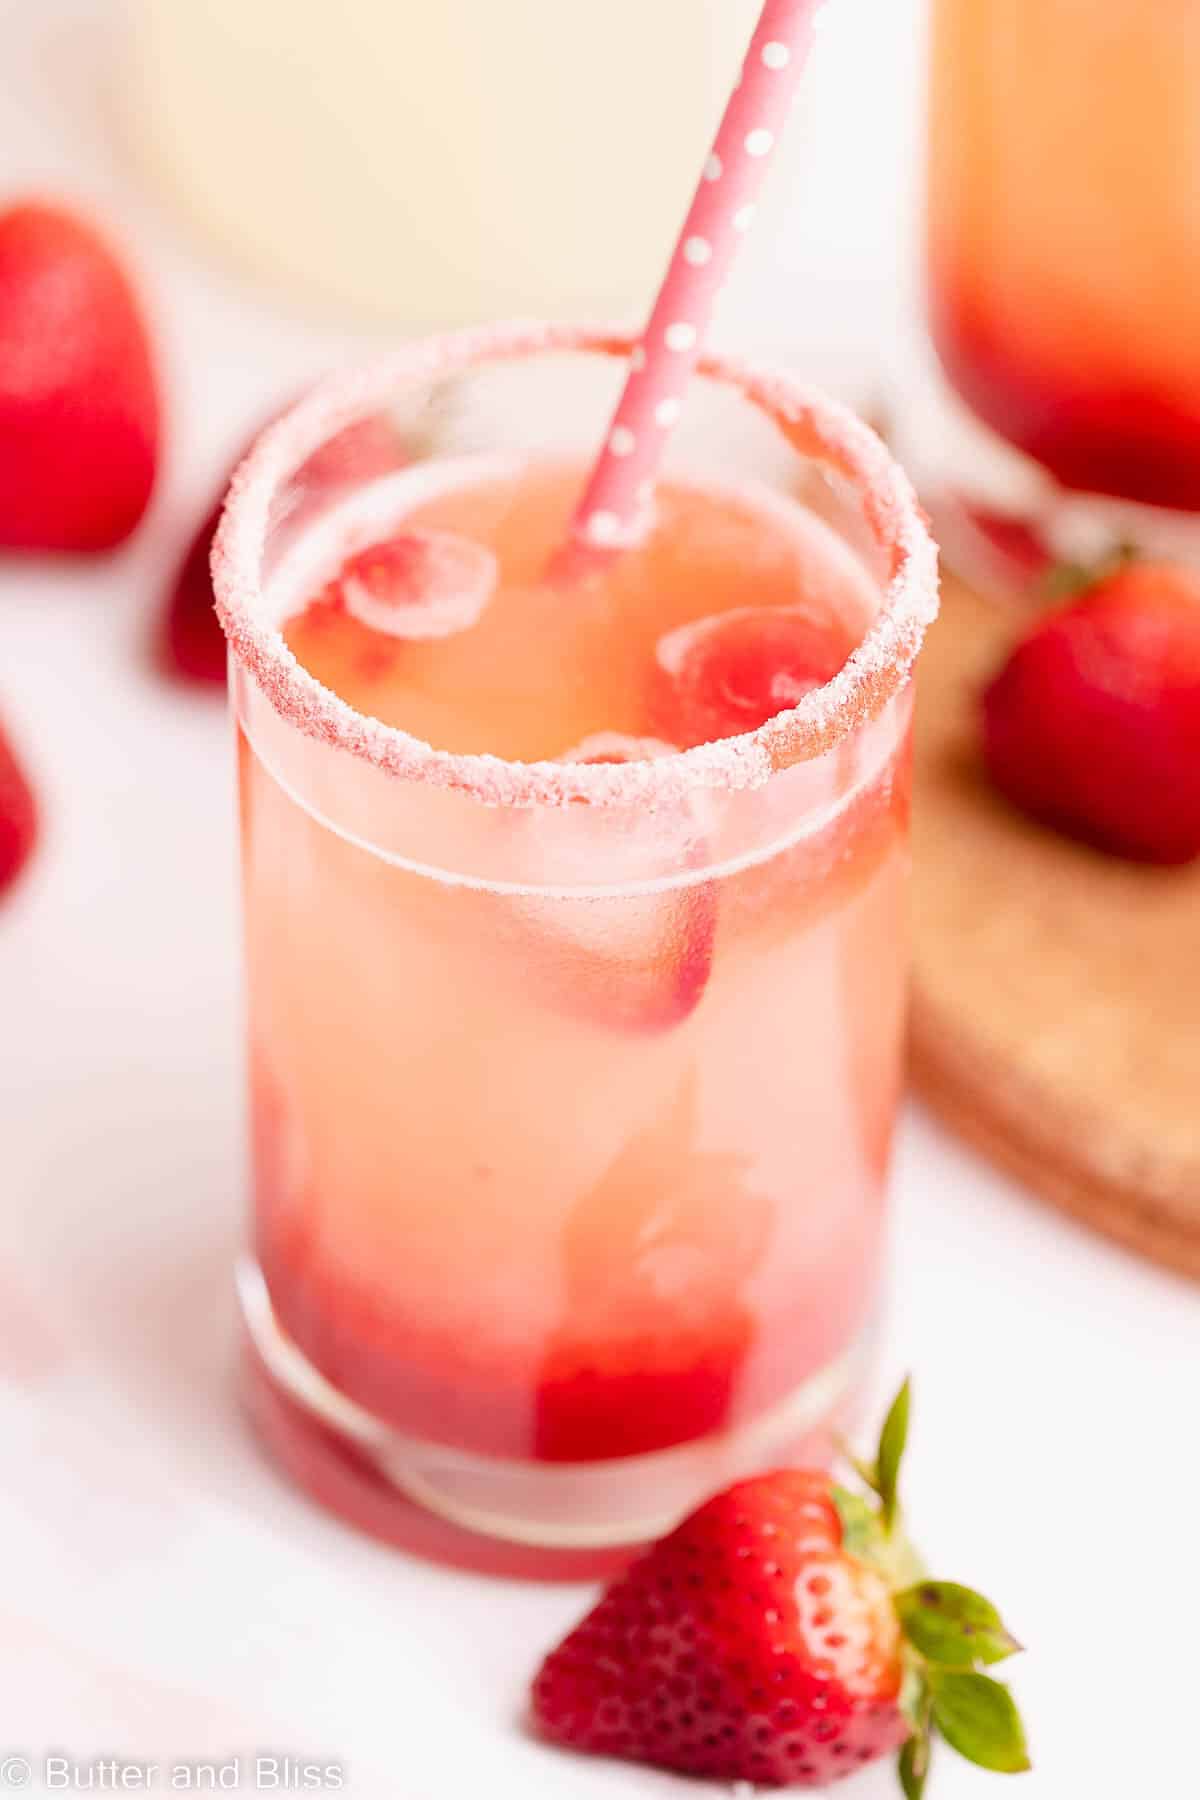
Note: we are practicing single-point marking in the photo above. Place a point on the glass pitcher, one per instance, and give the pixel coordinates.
(437, 164)
(1063, 268)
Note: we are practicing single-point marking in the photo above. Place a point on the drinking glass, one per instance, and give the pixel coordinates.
(572, 1086)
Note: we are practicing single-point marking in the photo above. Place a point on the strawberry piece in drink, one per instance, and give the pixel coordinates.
(636, 962)
(731, 673)
(418, 584)
(414, 588)
(666, 1241)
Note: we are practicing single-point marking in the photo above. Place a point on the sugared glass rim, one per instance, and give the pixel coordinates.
(815, 426)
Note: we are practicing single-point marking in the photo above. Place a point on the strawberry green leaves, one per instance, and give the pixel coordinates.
(949, 1629)
(883, 1475)
(892, 1441)
(978, 1717)
(914, 1765)
(951, 1633)
(975, 1715)
(953, 1625)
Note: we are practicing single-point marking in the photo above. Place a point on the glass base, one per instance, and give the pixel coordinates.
(1002, 522)
(553, 1520)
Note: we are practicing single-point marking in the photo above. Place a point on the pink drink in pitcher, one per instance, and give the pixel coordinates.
(1064, 234)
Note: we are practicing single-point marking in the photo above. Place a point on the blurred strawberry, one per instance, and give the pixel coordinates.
(1014, 542)
(18, 816)
(1009, 552)
(192, 644)
(1093, 724)
(79, 403)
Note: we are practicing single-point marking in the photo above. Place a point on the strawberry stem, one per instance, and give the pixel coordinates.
(1067, 580)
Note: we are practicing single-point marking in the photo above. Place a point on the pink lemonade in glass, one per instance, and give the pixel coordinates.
(575, 935)
(1064, 247)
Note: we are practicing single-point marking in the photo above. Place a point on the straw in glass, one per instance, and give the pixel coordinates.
(613, 505)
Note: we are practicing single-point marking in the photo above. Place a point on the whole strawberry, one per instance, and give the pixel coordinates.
(1093, 724)
(778, 1636)
(18, 816)
(192, 645)
(79, 404)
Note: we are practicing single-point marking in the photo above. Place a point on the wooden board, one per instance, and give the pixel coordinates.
(1056, 1006)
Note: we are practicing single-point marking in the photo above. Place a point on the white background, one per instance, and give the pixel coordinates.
(162, 1594)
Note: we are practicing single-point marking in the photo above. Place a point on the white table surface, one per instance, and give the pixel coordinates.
(163, 1595)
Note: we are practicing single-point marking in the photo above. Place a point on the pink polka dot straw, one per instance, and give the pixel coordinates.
(721, 213)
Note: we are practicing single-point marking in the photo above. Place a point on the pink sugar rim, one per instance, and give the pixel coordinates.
(814, 425)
